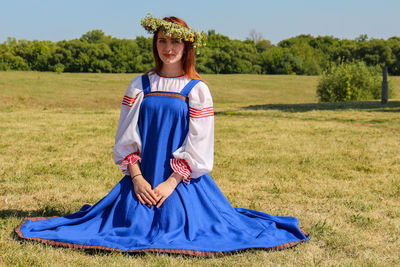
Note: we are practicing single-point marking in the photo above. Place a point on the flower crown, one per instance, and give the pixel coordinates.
(171, 29)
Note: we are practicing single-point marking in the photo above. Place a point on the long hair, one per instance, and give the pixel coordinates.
(188, 59)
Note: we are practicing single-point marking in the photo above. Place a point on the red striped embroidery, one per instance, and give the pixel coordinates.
(201, 113)
(130, 159)
(129, 101)
(180, 166)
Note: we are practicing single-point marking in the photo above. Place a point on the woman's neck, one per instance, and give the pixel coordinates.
(172, 70)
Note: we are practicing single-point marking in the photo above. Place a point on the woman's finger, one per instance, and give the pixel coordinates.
(146, 199)
(150, 198)
(153, 196)
(140, 199)
(160, 202)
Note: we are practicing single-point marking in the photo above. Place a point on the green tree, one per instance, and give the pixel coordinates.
(94, 36)
(350, 82)
(263, 45)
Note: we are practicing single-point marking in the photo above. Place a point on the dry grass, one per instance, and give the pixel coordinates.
(334, 166)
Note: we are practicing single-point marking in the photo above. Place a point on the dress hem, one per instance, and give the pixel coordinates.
(164, 250)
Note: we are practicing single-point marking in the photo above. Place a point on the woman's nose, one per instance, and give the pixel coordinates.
(168, 45)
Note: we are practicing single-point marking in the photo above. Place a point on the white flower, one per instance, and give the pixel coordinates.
(173, 30)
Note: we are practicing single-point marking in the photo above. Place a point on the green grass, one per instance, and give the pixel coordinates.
(334, 166)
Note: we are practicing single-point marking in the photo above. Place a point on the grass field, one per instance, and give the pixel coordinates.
(334, 166)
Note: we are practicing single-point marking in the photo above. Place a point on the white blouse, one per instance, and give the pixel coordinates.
(195, 157)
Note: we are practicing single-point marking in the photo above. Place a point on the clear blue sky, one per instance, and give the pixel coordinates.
(275, 19)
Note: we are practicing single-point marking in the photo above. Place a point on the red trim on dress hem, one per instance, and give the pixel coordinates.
(174, 251)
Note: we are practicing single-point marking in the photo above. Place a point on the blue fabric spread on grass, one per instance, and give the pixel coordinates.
(194, 217)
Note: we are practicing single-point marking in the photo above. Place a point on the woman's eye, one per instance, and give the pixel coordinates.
(175, 41)
(161, 40)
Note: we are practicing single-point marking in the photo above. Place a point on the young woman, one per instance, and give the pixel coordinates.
(167, 201)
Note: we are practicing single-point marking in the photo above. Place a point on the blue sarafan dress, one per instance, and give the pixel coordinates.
(195, 219)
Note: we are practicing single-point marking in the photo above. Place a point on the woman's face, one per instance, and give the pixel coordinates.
(169, 49)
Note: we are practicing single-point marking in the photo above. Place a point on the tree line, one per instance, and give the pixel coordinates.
(304, 54)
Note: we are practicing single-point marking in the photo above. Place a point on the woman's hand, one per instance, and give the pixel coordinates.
(165, 189)
(143, 190)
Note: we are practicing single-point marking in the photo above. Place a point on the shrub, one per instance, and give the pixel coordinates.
(351, 82)
(59, 68)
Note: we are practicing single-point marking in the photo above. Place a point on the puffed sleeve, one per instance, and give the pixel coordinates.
(196, 155)
(128, 145)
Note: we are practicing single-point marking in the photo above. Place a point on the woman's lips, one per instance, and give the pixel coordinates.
(168, 55)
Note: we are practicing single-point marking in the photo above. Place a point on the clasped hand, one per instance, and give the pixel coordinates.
(157, 196)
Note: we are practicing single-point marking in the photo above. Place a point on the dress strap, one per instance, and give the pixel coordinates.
(145, 84)
(186, 90)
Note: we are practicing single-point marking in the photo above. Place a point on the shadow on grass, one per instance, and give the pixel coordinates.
(4, 214)
(375, 106)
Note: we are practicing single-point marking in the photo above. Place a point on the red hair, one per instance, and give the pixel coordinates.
(188, 58)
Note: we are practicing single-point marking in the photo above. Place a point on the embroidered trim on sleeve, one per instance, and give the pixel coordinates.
(201, 113)
(130, 159)
(129, 101)
(182, 167)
